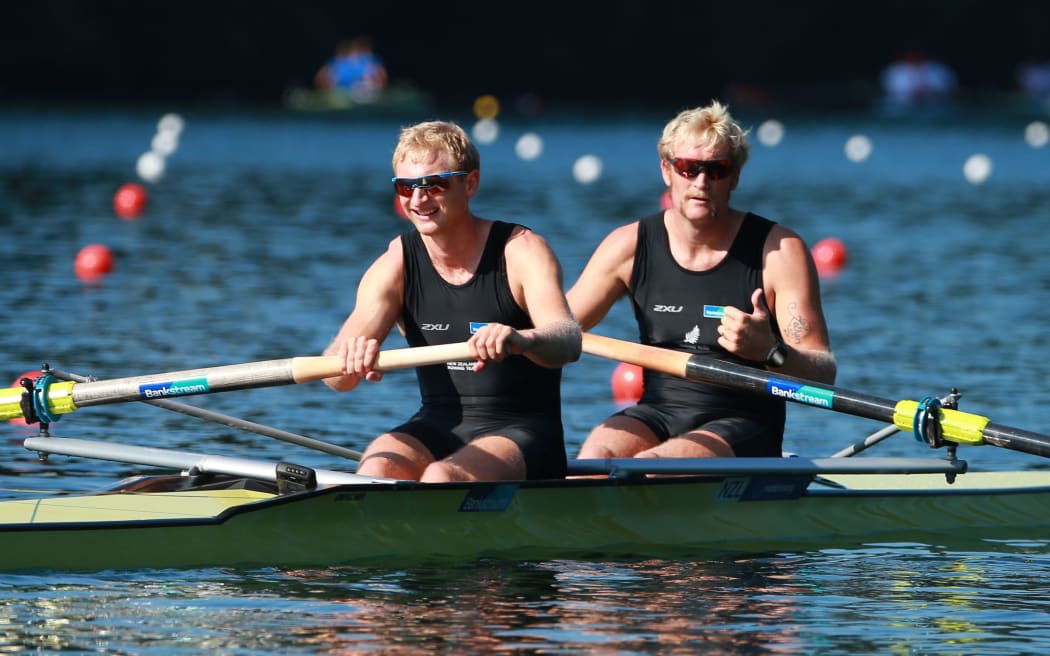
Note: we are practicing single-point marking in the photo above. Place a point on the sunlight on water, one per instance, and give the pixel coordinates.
(251, 247)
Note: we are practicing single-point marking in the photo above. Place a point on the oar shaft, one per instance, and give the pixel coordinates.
(738, 376)
(185, 383)
(758, 381)
(249, 375)
(234, 422)
(1017, 439)
(957, 426)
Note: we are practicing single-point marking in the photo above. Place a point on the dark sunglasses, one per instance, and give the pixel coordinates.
(716, 169)
(404, 186)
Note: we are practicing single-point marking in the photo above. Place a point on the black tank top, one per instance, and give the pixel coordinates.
(437, 312)
(681, 309)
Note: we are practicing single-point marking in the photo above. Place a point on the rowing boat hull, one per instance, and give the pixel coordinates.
(407, 522)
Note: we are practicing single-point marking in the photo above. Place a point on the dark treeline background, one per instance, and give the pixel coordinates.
(620, 53)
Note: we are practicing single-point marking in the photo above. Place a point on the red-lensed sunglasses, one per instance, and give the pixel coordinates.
(716, 169)
(440, 181)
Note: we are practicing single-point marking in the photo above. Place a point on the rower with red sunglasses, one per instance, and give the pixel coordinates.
(707, 279)
(457, 277)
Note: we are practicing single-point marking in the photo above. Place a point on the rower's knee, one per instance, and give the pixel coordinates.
(441, 472)
(388, 465)
(588, 451)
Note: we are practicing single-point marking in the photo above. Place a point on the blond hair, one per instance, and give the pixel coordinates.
(711, 125)
(419, 141)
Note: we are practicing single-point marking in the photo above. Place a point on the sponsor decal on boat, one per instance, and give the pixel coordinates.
(714, 311)
(489, 498)
(801, 393)
(762, 488)
(174, 388)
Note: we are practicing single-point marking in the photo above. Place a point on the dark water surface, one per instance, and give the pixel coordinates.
(251, 248)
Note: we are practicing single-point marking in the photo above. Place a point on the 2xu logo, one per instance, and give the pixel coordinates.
(674, 309)
(434, 326)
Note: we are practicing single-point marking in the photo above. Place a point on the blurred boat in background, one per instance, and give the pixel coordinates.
(402, 98)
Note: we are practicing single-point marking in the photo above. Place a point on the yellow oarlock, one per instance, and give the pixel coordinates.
(59, 400)
(956, 426)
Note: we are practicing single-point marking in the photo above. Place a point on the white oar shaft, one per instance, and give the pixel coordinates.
(249, 375)
(234, 422)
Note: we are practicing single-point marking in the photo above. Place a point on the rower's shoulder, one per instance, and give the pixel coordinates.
(622, 239)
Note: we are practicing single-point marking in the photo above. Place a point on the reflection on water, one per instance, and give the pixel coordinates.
(909, 598)
(251, 247)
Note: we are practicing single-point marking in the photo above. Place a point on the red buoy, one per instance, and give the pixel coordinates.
(129, 201)
(32, 375)
(627, 383)
(830, 256)
(93, 262)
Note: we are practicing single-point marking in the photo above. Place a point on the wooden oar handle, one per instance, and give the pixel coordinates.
(667, 361)
(308, 368)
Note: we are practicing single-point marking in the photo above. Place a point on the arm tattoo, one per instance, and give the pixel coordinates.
(796, 326)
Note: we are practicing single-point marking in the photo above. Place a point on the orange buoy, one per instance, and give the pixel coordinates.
(129, 201)
(93, 262)
(830, 256)
(627, 383)
(32, 375)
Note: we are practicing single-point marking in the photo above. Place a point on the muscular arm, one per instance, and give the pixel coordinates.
(377, 308)
(793, 290)
(536, 276)
(606, 277)
(791, 293)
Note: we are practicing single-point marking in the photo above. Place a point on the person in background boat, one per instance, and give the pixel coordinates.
(917, 81)
(711, 280)
(1033, 79)
(355, 69)
(457, 277)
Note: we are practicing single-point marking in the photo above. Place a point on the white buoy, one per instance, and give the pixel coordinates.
(1037, 134)
(165, 143)
(771, 132)
(587, 169)
(529, 146)
(858, 148)
(486, 130)
(170, 123)
(150, 166)
(977, 168)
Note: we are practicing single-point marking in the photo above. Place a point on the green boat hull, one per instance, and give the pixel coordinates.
(396, 523)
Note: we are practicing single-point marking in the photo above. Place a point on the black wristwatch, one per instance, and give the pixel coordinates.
(777, 355)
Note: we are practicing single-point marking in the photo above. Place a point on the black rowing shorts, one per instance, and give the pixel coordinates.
(446, 430)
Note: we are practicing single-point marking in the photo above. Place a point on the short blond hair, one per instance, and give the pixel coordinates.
(419, 141)
(712, 125)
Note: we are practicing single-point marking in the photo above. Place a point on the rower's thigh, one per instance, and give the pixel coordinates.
(694, 444)
(395, 455)
(489, 458)
(618, 436)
